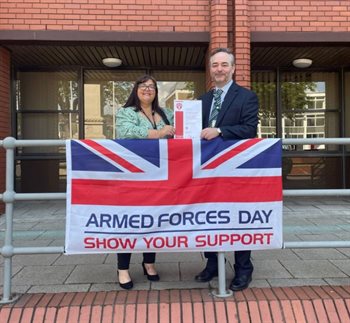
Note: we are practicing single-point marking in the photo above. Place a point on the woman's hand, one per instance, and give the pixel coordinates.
(166, 131)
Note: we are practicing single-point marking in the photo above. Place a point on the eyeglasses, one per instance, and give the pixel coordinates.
(148, 87)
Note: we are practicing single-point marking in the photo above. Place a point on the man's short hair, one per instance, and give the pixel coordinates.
(223, 50)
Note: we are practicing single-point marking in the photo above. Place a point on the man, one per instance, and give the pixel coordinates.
(229, 111)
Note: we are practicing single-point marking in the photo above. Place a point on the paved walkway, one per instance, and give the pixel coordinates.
(301, 285)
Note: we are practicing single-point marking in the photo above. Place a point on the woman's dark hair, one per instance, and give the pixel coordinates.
(133, 99)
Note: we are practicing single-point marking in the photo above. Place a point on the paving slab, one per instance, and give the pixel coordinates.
(281, 282)
(56, 243)
(322, 253)
(331, 221)
(17, 289)
(334, 207)
(180, 257)
(89, 273)
(265, 269)
(32, 243)
(115, 287)
(343, 265)
(25, 235)
(80, 259)
(39, 275)
(291, 236)
(276, 254)
(257, 283)
(312, 269)
(50, 225)
(64, 288)
(52, 234)
(338, 281)
(169, 272)
(21, 226)
(188, 270)
(291, 221)
(15, 270)
(34, 260)
(345, 251)
(136, 258)
(318, 237)
(179, 285)
(343, 236)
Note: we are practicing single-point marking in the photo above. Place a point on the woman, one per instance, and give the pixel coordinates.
(142, 117)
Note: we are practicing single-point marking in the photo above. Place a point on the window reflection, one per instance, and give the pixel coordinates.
(310, 102)
(170, 91)
(179, 85)
(104, 93)
(47, 91)
(46, 107)
(311, 172)
(264, 85)
(304, 106)
(49, 175)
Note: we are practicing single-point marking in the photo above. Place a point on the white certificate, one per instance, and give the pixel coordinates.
(187, 119)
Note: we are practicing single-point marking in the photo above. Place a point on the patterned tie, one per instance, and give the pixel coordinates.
(216, 107)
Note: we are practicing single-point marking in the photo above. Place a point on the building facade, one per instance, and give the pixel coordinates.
(54, 85)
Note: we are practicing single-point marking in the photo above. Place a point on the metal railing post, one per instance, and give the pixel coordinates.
(9, 198)
(222, 292)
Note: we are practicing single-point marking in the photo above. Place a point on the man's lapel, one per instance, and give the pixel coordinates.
(206, 101)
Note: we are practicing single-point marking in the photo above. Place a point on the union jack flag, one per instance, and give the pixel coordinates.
(171, 172)
(183, 194)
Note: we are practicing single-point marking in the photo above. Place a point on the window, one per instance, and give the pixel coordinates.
(264, 85)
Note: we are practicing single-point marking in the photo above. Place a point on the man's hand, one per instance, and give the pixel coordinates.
(209, 133)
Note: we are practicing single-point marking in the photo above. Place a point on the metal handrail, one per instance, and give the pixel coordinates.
(10, 196)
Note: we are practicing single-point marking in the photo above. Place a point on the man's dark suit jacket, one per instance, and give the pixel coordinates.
(238, 116)
(237, 119)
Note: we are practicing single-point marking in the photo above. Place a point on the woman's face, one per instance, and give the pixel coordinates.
(146, 92)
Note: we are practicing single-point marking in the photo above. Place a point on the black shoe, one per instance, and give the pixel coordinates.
(127, 285)
(206, 275)
(240, 282)
(152, 278)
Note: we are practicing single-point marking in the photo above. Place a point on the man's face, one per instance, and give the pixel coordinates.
(221, 69)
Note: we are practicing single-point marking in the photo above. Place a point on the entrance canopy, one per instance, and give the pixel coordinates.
(278, 49)
(136, 50)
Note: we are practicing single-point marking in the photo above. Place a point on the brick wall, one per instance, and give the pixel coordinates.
(4, 112)
(105, 15)
(218, 30)
(300, 15)
(241, 38)
(229, 27)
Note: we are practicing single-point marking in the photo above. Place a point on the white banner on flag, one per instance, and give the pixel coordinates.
(214, 227)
